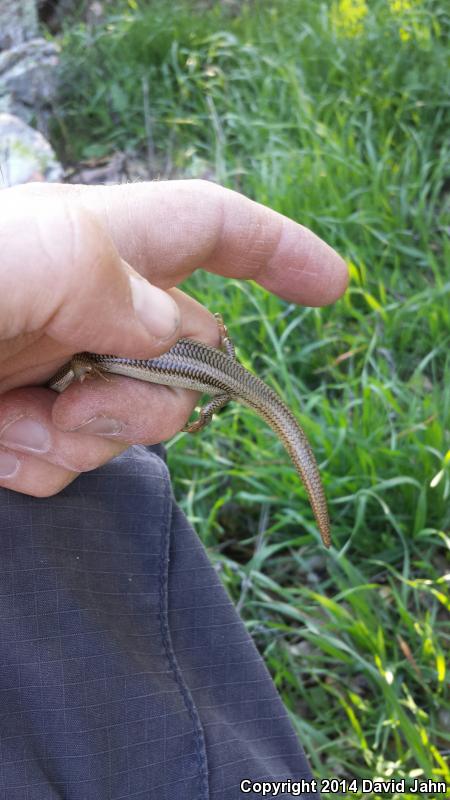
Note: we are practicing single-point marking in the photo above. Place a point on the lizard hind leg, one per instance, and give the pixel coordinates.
(226, 344)
(206, 413)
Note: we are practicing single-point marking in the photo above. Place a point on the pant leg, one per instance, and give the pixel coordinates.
(125, 671)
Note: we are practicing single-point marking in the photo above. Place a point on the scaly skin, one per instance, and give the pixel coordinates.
(192, 365)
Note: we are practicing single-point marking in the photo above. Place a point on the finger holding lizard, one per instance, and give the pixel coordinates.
(93, 268)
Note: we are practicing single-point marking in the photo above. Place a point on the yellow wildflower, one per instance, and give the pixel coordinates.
(348, 16)
(398, 6)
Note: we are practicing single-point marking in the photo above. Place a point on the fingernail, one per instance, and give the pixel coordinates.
(9, 465)
(101, 426)
(26, 433)
(155, 308)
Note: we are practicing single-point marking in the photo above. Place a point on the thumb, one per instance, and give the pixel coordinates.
(61, 274)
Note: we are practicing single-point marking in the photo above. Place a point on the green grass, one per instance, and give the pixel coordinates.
(342, 126)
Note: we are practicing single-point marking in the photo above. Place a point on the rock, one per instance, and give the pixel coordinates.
(18, 22)
(25, 155)
(28, 79)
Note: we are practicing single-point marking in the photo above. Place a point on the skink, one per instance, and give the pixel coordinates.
(190, 364)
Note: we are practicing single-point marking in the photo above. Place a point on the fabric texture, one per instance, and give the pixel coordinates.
(125, 672)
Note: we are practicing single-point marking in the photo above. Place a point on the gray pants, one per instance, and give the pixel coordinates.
(125, 671)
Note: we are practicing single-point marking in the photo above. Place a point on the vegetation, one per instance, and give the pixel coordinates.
(333, 113)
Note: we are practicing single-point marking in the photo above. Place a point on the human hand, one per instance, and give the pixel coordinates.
(66, 285)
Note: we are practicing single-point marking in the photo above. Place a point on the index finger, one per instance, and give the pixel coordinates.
(168, 229)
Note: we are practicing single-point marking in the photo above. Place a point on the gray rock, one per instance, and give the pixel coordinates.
(25, 155)
(28, 78)
(18, 22)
